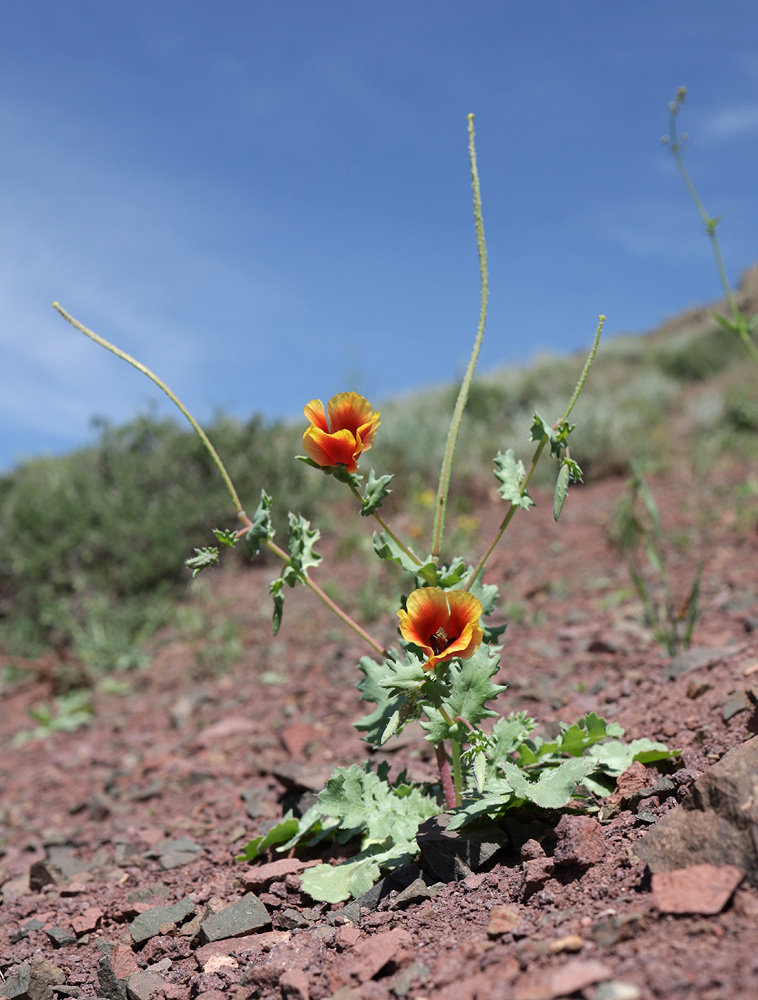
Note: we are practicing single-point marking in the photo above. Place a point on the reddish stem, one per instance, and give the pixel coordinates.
(445, 776)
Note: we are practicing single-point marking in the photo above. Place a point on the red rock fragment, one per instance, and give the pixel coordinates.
(580, 841)
(87, 920)
(563, 981)
(260, 877)
(294, 985)
(536, 873)
(503, 919)
(703, 889)
(123, 961)
(634, 779)
(369, 956)
(347, 936)
(297, 737)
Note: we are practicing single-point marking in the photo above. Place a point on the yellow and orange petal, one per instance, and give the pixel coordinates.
(445, 624)
(350, 430)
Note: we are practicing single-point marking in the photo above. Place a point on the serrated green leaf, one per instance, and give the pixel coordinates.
(387, 548)
(262, 529)
(510, 473)
(333, 884)
(203, 559)
(375, 494)
(555, 786)
(561, 490)
(508, 734)
(226, 536)
(374, 723)
(614, 757)
(479, 770)
(448, 576)
(283, 831)
(276, 589)
(557, 437)
(471, 687)
(585, 733)
(301, 541)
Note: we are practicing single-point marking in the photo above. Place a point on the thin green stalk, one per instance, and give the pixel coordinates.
(740, 322)
(440, 508)
(171, 395)
(538, 452)
(343, 615)
(385, 527)
(586, 370)
(506, 520)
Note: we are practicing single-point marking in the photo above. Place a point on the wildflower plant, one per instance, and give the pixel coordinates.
(443, 670)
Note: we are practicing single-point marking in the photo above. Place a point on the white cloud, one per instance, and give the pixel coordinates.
(729, 124)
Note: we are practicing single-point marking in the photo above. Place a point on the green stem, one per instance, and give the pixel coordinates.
(343, 615)
(385, 527)
(538, 452)
(585, 371)
(174, 399)
(710, 222)
(507, 519)
(440, 508)
(455, 751)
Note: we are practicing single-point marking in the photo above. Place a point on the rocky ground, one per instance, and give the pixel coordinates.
(117, 870)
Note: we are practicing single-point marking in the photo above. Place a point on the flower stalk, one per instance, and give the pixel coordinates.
(440, 506)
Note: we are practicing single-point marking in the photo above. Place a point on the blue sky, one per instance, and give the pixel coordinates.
(270, 201)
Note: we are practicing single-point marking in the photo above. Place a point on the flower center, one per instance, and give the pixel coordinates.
(439, 641)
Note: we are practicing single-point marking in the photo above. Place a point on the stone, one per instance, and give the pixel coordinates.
(634, 779)
(174, 853)
(416, 892)
(398, 880)
(370, 956)
(503, 920)
(294, 985)
(144, 984)
(123, 961)
(615, 989)
(716, 823)
(580, 841)
(153, 921)
(537, 871)
(244, 917)
(260, 877)
(35, 982)
(87, 920)
(562, 981)
(449, 856)
(702, 889)
(696, 658)
(60, 936)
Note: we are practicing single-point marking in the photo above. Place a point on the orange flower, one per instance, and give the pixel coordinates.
(353, 428)
(445, 624)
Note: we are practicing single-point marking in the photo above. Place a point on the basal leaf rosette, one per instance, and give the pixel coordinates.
(443, 623)
(339, 434)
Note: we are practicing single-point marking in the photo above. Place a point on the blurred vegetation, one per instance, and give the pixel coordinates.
(92, 545)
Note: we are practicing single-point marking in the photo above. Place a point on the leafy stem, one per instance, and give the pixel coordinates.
(537, 454)
(411, 555)
(171, 395)
(507, 519)
(332, 605)
(440, 507)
